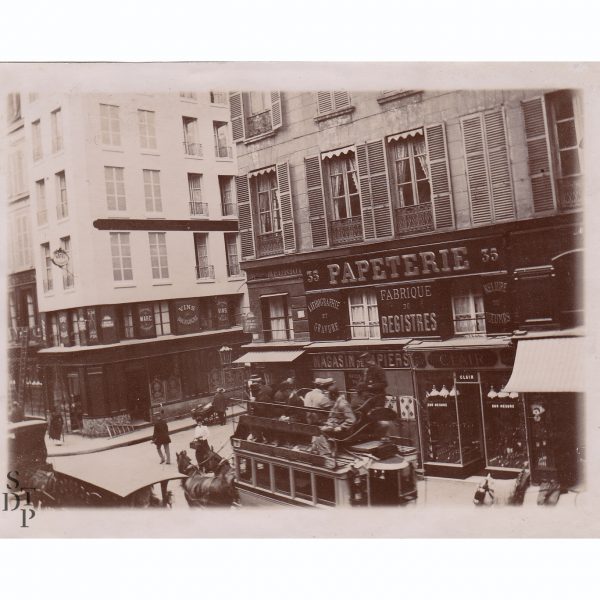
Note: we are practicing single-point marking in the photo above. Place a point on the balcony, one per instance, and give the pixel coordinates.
(205, 272)
(229, 209)
(198, 209)
(414, 219)
(346, 231)
(192, 148)
(233, 269)
(258, 124)
(223, 152)
(570, 192)
(269, 244)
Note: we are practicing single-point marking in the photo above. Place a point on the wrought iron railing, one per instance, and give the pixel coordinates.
(199, 209)
(415, 219)
(258, 124)
(570, 193)
(223, 151)
(205, 272)
(269, 244)
(192, 148)
(345, 231)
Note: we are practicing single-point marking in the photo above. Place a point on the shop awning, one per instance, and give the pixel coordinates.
(262, 171)
(405, 135)
(338, 152)
(548, 365)
(270, 356)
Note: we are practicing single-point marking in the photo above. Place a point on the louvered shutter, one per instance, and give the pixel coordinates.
(276, 119)
(439, 176)
(245, 217)
(477, 176)
(324, 102)
(538, 148)
(236, 110)
(285, 203)
(374, 190)
(341, 99)
(503, 205)
(316, 202)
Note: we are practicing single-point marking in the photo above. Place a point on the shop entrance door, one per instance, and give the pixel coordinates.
(138, 400)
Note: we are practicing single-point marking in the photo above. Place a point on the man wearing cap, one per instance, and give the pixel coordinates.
(317, 397)
(341, 417)
(374, 379)
(220, 402)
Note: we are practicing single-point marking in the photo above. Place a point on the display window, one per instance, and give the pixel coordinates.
(469, 417)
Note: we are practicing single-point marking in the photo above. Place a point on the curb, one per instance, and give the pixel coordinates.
(122, 444)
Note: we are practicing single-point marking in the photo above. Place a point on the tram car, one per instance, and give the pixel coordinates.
(284, 458)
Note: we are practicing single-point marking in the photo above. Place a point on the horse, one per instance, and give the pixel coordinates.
(207, 490)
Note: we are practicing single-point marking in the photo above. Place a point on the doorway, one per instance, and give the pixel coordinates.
(138, 400)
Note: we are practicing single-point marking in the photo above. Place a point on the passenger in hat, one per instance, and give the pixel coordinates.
(220, 402)
(341, 417)
(374, 380)
(317, 397)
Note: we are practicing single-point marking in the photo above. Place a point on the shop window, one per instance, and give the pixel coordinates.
(469, 418)
(75, 328)
(244, 469)
(263, 475)
(303, 485)
(364, 317)
(162, 318)
(467, 308)
(325, 490)
(54, 334)
(127, 329)
(277, 324)
(281, 478)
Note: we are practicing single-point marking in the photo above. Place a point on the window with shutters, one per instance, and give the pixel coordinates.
(36, 139)
(332, 104)
(67, 271)
(114, 180)
(158, 255)
(152, 193)
(147, 129)
(414, 211)
(254, 115)
(277, 323)
(364, 315)
(221, 135)
(228, 206)
(488, 168)
(191, 137)
(62, 205)
(121, 256)
(232, 254)
(468, 309)
(204, 270)
(269, 239)
(110, 125)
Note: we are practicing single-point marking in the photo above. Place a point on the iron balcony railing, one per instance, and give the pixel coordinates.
(205, 272)
(269, 244)
(415, 219)
(229, 209)
(570, 193)
(259, 123)
(223, 152)
(345, 231)
(198, 209)
(192, 148)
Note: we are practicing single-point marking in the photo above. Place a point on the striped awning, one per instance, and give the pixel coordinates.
(405, 135)
(338, 152)
(270, 169)
(269, 356)
(548, 365)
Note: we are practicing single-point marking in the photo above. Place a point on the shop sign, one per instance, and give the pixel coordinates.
(467, 377)
(107, 325)
(273, 273)
(461, 359)
(222, 313)
(326, 316)
(410, 309)
(437, 404)
(411, 264)
(187, 319)
(250, 323)
(63, 328)
(496, 299)
(509, 405)
(92, 331)
(145, 321)
(387, 359)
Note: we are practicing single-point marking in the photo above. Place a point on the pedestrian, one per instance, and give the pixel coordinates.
(201, 444)
(220, 402)
(161, 438)
(56, 427)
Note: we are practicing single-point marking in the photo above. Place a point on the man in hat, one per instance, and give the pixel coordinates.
(341, 416)
(374, 380)
(220, 402)
(317, 397)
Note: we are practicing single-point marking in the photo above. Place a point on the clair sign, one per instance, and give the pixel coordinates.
(411, 264)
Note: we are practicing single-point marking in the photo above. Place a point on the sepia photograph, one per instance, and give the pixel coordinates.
(356, 304)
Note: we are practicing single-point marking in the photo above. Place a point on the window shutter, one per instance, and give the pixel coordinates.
(538, 148)
(439, 176)
(316, 202)
(245, 217)
(276, 119)
(236, 109)
(499, 166)
(324, 102)
(341, 99)
(477, 177)
(285, 204)
(374, 190)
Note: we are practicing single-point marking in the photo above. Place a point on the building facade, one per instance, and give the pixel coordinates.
(135, 247)
(433, 229)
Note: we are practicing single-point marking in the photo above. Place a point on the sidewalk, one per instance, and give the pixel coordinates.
(75, 444)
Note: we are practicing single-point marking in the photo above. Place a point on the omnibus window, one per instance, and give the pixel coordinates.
(281, 476)
(325, 490)
(245, 469)
(263, 476)
(303, 485)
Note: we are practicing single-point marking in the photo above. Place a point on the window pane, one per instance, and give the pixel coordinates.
(569, 162)
(567, 137)
(282, 479)
(303, 485)
(263, 477)
(563, 105)
(424, 190)
(245, 469)
(325, 488)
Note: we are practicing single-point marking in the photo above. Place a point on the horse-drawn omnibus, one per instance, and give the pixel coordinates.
(280, 458)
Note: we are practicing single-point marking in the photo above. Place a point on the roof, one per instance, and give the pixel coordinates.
(548, 365)
(269, 356)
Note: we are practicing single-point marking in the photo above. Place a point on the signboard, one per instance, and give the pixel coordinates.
(250, 323)
(145, 321)
(386, 359)
(460, 359)
(411, 309)
(63, 328)
(108, 324)
(222, 313)
(467, 377)
(496, 300)
(327, 316)
(282, 272)
(409, 264)
(187, 319)
(82, 325)
(92, 331)
(60, 258)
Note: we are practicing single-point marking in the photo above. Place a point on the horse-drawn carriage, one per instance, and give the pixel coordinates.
(205, 413)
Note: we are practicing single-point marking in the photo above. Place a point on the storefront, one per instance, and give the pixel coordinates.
(549, 374)
(468, 420)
